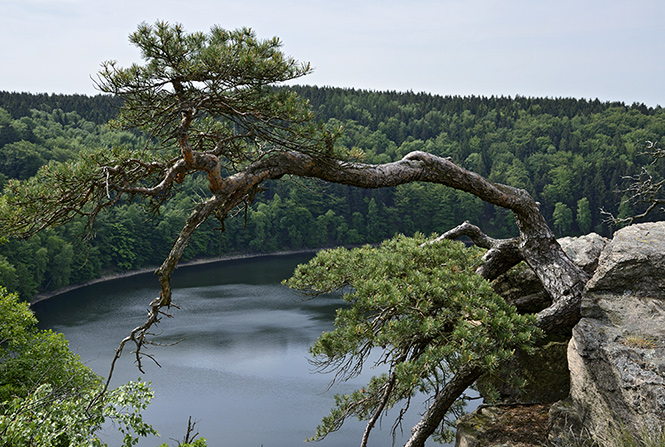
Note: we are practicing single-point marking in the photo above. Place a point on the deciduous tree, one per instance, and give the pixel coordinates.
(645, 189)
(48, 397)
(583, 216)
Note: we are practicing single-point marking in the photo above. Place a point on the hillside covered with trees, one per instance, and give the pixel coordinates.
(572, 155)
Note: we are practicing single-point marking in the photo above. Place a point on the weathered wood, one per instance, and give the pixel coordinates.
(536, 244)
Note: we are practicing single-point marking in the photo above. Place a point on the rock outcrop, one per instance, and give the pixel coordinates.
(504, 426)
(584, 251)
(519, 420)
(616, 356)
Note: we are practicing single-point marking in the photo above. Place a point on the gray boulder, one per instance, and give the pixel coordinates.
(584, 250)
(633, 262)
(616, 355)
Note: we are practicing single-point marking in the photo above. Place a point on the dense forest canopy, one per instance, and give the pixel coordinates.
(572, 155)
(99, 108)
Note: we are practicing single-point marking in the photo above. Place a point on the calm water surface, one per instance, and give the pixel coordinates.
(240, 367)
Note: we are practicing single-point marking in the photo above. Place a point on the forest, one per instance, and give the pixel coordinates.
(573, 155)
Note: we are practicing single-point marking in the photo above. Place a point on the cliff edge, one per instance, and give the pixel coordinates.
(615, 356)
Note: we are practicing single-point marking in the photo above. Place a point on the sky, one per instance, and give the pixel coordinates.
(613, 50)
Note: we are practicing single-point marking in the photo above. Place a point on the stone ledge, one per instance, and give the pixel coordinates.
(512, 425)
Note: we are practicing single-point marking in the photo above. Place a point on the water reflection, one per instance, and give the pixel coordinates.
(240, 365)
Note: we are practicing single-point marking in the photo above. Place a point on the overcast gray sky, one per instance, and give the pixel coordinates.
(606, 49)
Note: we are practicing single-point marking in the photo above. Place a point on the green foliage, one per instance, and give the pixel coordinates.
(560, 150)
(44, 357)
(48, 397)
(584, 215)
(98, 109)
(50, 417)
(573, 152)
(228, 80)
(201, 442)
(563, 218)
(62, 191)
(17, 319)
(8, 276)
(421, 306)
(21, 160)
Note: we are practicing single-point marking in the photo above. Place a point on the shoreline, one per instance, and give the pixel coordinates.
(111, 277)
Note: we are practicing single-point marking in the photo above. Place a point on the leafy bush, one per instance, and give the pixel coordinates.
(48, 397)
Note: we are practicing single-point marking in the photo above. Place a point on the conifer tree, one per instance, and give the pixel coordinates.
(207, 103)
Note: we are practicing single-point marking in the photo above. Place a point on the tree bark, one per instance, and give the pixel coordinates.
(442, 402)
(502, 254)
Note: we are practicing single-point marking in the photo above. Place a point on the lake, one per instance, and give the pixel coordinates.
(240, 365)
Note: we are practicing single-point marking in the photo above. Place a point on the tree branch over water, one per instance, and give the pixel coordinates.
(207, 103)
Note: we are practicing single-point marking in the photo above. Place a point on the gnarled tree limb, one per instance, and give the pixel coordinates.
(537, 245)
(502, 254)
